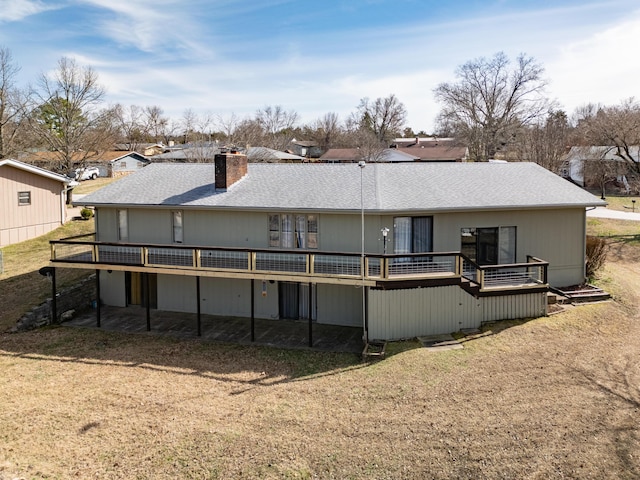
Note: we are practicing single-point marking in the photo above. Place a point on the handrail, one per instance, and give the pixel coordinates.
(308, 263)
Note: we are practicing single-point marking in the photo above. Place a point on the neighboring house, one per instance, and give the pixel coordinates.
(402, 249)
(191, 153)
(433, 149)
(589, 166)
(32, 201)
(264, 154)
(147, 149)
(126, 164)
(154, 149)
(402, 142)
(103, 161)
(354, 155)
(438, 153)
(305, 149)
(392, 155)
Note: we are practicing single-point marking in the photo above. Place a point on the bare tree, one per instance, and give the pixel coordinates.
(12, 106)
(197, 134)
(615, 126)
(68, 120)
(370, 147)
(488, 105)
(248, 132)
(277, 125)
(130, 124)
(546, 143)
(326, 131)
(602, 171)
(384, 117)
(156, 123)
(188, 123)
(228, 126)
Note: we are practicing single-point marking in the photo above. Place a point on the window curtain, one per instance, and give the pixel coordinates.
(421, 234)
(301, 226)
(402, 235)
(177, 227)
(123, 230)
(287, 231)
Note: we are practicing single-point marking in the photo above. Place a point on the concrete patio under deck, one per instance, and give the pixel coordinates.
(276, 333)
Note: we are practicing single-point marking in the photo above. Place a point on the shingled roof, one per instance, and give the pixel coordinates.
(407, 187)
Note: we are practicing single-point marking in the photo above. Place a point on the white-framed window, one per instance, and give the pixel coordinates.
(176, 221)
(24, 198)
(123, 226)
(293, 230)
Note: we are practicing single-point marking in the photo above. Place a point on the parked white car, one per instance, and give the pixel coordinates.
(87, 173)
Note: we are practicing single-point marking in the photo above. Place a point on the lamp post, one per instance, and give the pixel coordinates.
(385, 232)
(365, 335)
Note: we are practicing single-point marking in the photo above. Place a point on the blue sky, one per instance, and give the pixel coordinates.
(314, 57)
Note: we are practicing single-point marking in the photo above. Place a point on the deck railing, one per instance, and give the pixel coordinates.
(531, 273)
(86, 251)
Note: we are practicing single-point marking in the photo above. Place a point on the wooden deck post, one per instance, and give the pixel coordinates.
(147, 299)
(98, 298)
(310, 317)
(54, 302)
(198, 306)
(253, 311)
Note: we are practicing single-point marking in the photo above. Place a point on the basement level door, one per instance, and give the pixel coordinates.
(293, 300)
(134, 284)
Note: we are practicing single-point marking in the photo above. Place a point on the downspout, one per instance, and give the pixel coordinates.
(63, 203)
(584, 244)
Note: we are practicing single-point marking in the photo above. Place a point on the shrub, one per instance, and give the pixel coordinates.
(86, 213)
(596, 254)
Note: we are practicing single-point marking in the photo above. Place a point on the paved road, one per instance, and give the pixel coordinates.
(604, 212)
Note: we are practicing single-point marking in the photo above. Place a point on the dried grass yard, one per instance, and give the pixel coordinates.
(555, 397)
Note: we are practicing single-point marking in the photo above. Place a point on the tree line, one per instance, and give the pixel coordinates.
(495, 107)
(65, 114)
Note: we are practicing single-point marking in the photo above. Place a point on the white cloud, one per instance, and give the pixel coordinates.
(15, 10)
(602, 68)
(151, 25)
(166, 52)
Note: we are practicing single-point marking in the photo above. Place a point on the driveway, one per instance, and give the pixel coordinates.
(604, 212)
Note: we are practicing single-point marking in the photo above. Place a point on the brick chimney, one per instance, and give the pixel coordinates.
(230, 167)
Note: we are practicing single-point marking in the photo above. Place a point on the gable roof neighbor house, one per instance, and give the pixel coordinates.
(126, 164)
(582, 165)
(264, 154)
(32, 201)
(399, 250)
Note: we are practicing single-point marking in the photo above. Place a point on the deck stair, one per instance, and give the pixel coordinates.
(581, 294)
(470, 287)
(374, 349)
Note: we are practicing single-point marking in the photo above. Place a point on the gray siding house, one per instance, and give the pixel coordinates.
(126, 164)
(401, 250)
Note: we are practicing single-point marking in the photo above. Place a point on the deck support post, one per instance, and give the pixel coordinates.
(98, 298)
(198, 306)
(310, 318)
(253, 311)
(147, 300)
(54, 302)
